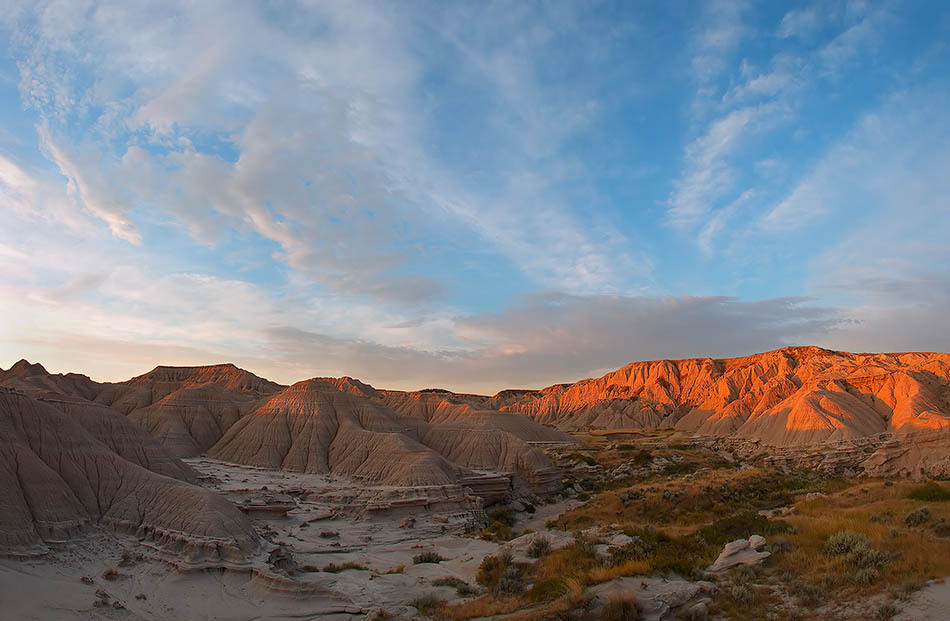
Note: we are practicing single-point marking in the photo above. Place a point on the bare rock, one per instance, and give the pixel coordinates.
(740, 552)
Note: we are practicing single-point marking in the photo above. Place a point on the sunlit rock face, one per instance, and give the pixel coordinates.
(788, 397)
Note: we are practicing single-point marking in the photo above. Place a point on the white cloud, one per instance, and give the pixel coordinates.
(331, 157)
(800, 23)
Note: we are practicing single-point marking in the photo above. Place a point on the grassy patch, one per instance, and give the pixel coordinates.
(930, 492)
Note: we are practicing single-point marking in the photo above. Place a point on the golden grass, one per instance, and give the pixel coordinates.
(628, 568)
(484, 606)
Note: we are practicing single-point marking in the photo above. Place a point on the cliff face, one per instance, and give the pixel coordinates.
(788, 397)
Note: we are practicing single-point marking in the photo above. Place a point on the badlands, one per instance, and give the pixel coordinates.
(798, 483)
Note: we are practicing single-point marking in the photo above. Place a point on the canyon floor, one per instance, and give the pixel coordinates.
(642, 518)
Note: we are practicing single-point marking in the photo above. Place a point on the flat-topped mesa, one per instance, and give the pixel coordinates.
(58, 478)
(188, 409)
(791, 396)
(225, 375)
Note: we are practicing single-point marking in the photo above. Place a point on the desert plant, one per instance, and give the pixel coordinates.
(809, 594)
(642, 457)
(539, 547)
(491, 568)
(462, 588)
(428, 604)
(511, 581)
(844, 541)
(620, 609)
(930, 492)
(918, 517)
(866, 576)
(502, 514)
(942, 527)
(547, 590)
(427, 557)
(329, 534)
(886, 612)
(333, 568)
(741, 593)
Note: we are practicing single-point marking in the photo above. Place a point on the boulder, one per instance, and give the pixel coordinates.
(740, 552)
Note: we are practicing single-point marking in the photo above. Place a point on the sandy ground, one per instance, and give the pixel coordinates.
(932, 603)
(327, 523)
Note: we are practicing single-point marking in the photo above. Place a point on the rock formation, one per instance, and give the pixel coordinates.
(187, 409)
(58, 478)
(344, 427)
(788, 397)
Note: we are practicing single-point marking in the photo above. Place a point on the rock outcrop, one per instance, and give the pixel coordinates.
(58, 478)
(344, 427)
(788, 397)
(187, 409)
(740, 552)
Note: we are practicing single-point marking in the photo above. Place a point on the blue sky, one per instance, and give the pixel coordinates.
(472, 195)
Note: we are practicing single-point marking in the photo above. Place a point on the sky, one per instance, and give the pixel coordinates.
(469, 195)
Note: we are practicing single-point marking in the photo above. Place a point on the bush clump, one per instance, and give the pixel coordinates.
(333, 568)
(930, 492)
(547, 590)
(918, 517)
(620, 609)
(462, 588)
(844, 541)
(642, 457)
(428, 604)
(427, 557)
(502, 514)
(942, 527)
(539, 547)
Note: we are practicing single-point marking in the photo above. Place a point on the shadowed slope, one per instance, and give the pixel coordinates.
(339, 426)
(58, 478)
(187, 409)
(313, 427)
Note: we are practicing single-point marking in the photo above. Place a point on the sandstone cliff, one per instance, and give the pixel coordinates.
(788, 397)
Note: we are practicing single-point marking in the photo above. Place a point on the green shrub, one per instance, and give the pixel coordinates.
(741, 593)
(642, 458)
(491, 569)
(866, 576)
(539, 547)
(867, 558)
(502, 514)
(333, 568)
(930, 492)
(511, 581)
(620, 609)
(844, 541)
(428, 604)
(587, 459)
(741, 526)
(918, 517)
(462, 588)
(546, 590)
(427, 557)
(809, 594)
